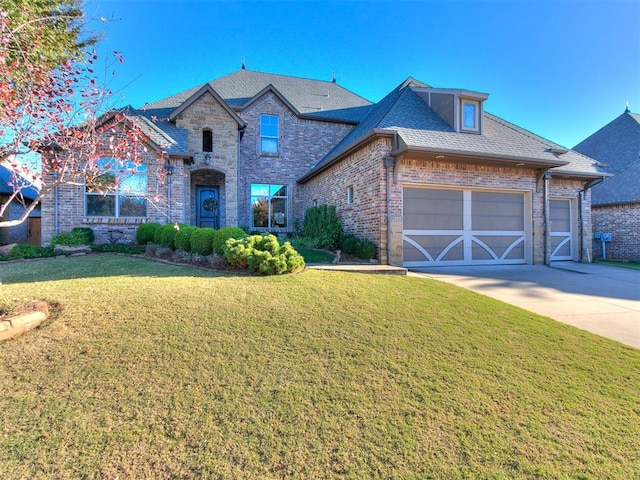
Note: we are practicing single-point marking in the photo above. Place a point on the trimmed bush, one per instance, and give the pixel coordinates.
(348, 244)
(224, 234)
(182, 240)
(168, 234)
(146, 231)
(322, 224)
(202, 241)
(263, 254)
(365, 249)
(77, 236)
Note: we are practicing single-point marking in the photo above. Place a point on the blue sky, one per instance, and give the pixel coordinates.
(560, 69)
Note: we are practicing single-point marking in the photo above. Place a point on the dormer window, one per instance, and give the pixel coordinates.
(469, 115)
(461, 109)
(207, 140)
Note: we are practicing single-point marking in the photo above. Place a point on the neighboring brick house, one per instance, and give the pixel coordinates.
(29, 230)
(616, 201)
(425, 174)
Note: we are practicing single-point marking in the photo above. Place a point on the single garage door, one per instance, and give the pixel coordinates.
(562, 244)
(464, 227)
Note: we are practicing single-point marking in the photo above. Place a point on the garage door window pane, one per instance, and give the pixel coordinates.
(497, 211)
(426, 209)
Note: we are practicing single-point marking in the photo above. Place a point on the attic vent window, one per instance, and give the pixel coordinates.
(470, 115)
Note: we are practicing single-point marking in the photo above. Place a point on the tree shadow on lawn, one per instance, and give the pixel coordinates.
(105, 265)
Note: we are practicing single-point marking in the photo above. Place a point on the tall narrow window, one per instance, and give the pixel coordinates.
(470, 115)
(349, 194)
(268, 206)
(207, 140)
(269, 133)
(119, 192)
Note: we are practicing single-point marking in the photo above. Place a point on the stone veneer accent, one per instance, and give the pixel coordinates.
(623, 222)
(207, 113)
(367, 218)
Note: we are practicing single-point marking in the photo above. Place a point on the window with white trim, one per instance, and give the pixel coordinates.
(268, 206)
(470, 115)
(118, 192)
(269, 133)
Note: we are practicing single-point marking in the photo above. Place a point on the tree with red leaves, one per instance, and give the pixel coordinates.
(52, 103)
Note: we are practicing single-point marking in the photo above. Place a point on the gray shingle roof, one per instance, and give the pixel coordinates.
(160, 131)
(7, 180)
(617, 147)
(315, 98)
(420, 127)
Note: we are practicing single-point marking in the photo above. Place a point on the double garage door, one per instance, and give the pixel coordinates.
(465, 227)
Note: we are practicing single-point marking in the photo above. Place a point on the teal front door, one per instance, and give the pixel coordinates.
(207, 206)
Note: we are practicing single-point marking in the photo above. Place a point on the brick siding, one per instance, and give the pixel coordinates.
(623, 222)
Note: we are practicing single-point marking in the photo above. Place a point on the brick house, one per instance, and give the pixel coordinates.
(616, 201)
(425, 173)
(28, 231)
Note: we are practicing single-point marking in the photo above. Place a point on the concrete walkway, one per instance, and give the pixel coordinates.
(597, 298)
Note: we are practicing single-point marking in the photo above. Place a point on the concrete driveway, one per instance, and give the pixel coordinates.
(600, 299)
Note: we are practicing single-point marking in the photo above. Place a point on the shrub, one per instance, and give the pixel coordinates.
(263, 254)
(365, 249)
(77, 236)
(202, 240)
(146, 231)
(182, 239)
(224, 234)
(348, 244)
(28, 251)
(322, 224)
(168, 234)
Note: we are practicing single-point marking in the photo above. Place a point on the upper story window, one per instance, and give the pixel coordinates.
(470, 115)
(207, 140)
(269, 133)
(119, 192)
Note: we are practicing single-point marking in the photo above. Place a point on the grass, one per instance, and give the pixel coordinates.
(150, 370)
(621, 264)
(312, 255)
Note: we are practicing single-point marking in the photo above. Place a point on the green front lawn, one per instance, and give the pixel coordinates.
(621, 264)
(149, 370)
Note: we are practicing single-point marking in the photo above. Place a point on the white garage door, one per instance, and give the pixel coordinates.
(464, 227)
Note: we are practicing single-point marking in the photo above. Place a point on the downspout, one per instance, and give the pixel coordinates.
(547, 221)
(389, 163)
(56, 225)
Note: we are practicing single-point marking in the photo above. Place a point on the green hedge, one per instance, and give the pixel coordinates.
(202, 241)
(263, 254)
(28, 251)
(224, 234)
(167, 234)
(146, 232)
(182, 239)
(365, 249)
(77, 236)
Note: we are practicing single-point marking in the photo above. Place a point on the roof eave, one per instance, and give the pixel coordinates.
(206, 88)
(478, 157)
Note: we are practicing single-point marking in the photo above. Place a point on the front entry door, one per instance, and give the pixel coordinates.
(207, 206)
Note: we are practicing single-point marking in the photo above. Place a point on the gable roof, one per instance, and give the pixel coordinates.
(617, 147)
(310, 98)
(29, 192)
(418, 128)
